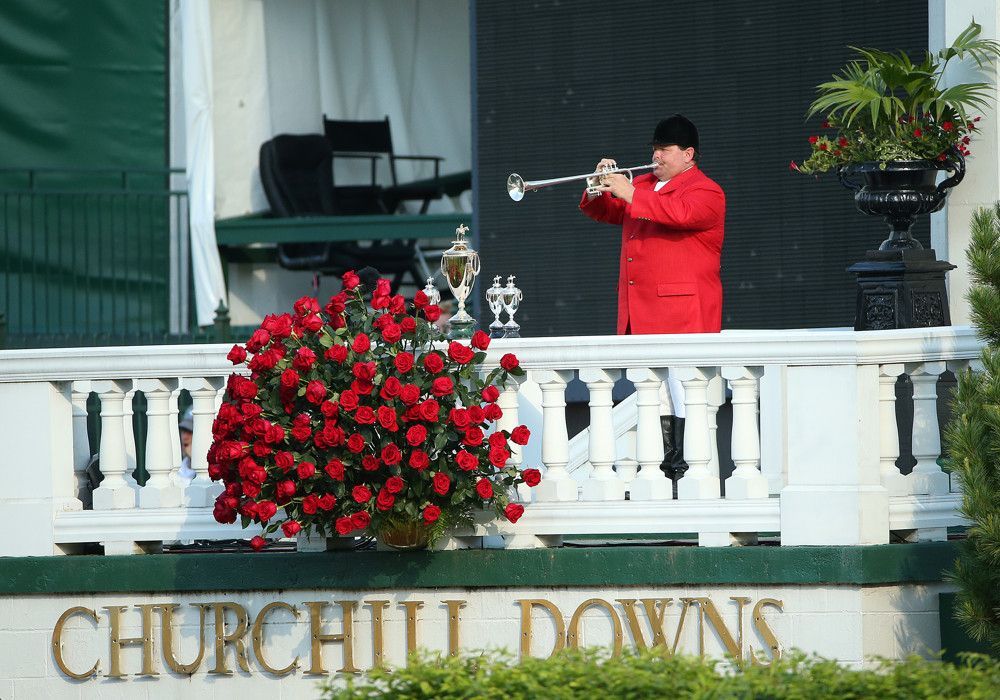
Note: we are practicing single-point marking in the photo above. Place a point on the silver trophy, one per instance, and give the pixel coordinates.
(494, 297)
(460, 265)
(511, 298)
(433, 295)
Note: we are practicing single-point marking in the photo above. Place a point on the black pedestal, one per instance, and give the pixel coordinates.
(901, 289)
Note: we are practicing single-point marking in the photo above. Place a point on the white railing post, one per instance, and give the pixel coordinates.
(557, 484)
(159, 491)
(80, 392)
(698, 482)
(626, 465)
(650, 484)
(773, 428)
(893, 480)
(716, 397)
(926, 477)
(747, 480)
(115, 492)
(603, 484)
(202, 491)
(834, 493)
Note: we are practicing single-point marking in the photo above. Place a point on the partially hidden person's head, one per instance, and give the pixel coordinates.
(675, 146)
(185, 427)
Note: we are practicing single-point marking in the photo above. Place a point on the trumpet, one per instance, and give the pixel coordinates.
(517, 186)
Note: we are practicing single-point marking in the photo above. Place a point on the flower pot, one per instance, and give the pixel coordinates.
(900, 191)
(405, 536)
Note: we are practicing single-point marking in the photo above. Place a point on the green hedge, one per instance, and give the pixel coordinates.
(655, 674)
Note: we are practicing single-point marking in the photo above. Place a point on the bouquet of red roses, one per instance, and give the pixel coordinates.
(358, 418)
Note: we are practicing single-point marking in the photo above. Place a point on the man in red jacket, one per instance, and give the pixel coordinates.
(672, 229)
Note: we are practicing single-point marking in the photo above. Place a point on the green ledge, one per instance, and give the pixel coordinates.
(531, 568)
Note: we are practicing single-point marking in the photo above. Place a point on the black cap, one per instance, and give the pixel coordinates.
(676, 130)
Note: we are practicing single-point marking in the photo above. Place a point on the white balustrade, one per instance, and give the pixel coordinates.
(202, 492)
(746, 480)
(650, 484)
(114, 491)
(892, 479)
(926, 477)
(159, 490)
(698, 481)
(79, 393)
(557, 484)
(603, 484)
(716, 395)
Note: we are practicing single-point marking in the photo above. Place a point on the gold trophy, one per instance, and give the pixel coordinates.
(460, 265)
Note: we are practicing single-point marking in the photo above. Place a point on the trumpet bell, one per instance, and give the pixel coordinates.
(515, 187)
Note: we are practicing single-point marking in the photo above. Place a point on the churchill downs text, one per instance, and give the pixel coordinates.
(237, 632)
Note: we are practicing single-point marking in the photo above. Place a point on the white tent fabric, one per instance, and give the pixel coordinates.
(196, 48)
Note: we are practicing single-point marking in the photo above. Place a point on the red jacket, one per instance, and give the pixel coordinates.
(668, 279)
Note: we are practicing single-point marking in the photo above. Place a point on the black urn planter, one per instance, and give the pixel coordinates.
(901, 285)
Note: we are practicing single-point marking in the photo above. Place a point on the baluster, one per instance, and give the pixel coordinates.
(926, 477)
(893, 480)
(202, 491)
(114, 492)
(603, 484)
(508, 403)
(958, 367)
(698, 482)
(159, 491)
(650, 483)
(716, 397)
(173, 420)
(130, 446)
(80, 392)
(747, 480)
(625, 464)
(557, 484)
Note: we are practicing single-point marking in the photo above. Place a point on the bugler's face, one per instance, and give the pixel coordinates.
(672, 160)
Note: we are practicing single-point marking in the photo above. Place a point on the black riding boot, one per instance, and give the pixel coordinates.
(678, 466)
(669, 445)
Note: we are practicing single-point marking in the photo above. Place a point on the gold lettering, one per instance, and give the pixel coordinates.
(707, 609)
(453, 619)
(258, 638)
(319, 638)
(573, 637)
(765, 631)
(378, 638)
(235, 637)
(167, 639)
(117, 641)
(57, 647)
(411, 607)
(685, 603)
(656, 608)
(526, 630)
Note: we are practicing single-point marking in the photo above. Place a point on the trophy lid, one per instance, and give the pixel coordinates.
(496, 291)
(459, 245)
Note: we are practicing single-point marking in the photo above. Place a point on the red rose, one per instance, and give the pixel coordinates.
(476, 414)
(409, 394)
(327, 501)
(355, 443)
(362, 387)
(497, 439)
(403, 362)
(397, 305)
(460, 353)
(420, 299)
(492, 412)
(370, 463)
(498, 456)
(257, 543)
(433, 363)
(382, 287)
(290, 379)
(416, 435)
(305, 470)
(312, 323)
(329, 409)
(361, 343)
(387, 418)
(350, 280)
(408, 324)
(363, 370)
(509, 362)
(237, 355)
(473, 437)
(361, 519)
(315, 392)
(348, 400)
(429, 410)
(361, 494)
(336, 353)
(310, 504)
(304, 359)
(344, 526)
(384, 500)
(531, 477)
(284, 489)
(431, 514)
(442, 386)
(284, 460)
(459, 417)
(391, 332)
(441, 483)
(335, 469)
(480, 340)
(391, 454)
(250, 490)
(301, 432)
(490, 394)
(365, 415)
(484, 488)
(466, 460)
(391, 388)
(258, 339)
(520, 435)
(394, 484)
(291, 528)
(432, 313)
(419, 460)
(337, 304)
(513, 511)
(266, 510)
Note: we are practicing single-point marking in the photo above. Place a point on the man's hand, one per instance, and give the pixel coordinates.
(618, 185)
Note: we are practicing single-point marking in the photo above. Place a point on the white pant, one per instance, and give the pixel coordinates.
(672, 397)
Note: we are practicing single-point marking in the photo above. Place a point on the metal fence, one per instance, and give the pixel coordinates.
(94, 257)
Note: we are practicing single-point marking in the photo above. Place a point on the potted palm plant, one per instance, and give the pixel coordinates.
(894, 126)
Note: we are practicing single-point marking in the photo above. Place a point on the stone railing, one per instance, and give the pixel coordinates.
(814, 441)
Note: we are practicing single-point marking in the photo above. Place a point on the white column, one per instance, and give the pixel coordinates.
(80, 392)
(894, 481)
(716, 397)
(557, 484)
(926, 477)
(159, 491)
(114, 492)
(626, 465)
(131, 463)
(650, 484)
(202, 491)
(746, 480)
(774, 428)
(603, 484)
(698, 482)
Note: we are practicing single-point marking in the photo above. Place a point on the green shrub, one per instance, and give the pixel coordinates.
(655, 673)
